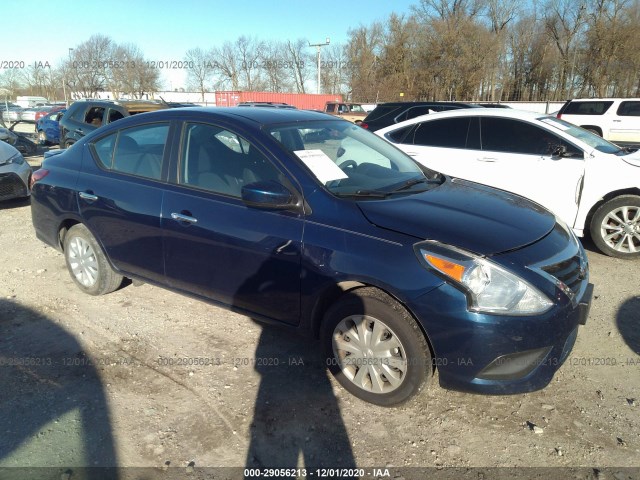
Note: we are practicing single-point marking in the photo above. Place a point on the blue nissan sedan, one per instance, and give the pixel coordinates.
(313, 223)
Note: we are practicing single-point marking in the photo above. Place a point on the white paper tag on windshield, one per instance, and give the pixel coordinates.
(321, 165)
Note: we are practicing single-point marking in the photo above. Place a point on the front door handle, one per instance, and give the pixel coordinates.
(181, 217)
(486, 159)
(88, 196)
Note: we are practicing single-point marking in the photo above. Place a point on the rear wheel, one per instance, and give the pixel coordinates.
(375, 348)
(615, 227)
(87, 264)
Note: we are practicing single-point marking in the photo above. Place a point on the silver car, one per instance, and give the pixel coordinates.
(15, 173)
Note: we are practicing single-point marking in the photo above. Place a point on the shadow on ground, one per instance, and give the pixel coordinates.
(628, 322)
(53, 410)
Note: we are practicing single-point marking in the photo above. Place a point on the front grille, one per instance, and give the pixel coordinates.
(11, 186)
(572, 272)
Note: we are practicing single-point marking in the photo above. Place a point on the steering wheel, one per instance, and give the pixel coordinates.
(348, 164)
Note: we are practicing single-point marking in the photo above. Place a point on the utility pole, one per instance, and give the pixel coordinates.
(318, 47)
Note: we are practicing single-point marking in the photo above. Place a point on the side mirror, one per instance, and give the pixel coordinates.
(268, 194)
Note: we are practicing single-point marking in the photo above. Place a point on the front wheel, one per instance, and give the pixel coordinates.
(615, 227)
(375, 348)
(86, 263)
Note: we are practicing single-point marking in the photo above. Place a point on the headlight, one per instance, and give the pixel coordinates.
(489, 287)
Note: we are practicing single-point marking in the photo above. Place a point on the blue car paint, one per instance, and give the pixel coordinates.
(281, 266)
(50, 127)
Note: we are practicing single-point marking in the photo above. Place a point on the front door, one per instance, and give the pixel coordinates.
(218, 247)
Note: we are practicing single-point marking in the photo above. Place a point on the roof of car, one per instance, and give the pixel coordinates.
(468, 112)
(254, 114)
(420, 103)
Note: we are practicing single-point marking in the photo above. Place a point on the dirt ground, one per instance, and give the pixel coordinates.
(144, 377)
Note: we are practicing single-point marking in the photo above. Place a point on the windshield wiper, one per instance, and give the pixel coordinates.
(363, 194)
(410, 183)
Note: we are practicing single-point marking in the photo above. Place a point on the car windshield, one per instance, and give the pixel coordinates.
(350, 161)
(585, 136)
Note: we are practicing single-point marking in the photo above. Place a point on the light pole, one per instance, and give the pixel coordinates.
(64, 80)
(318, 46)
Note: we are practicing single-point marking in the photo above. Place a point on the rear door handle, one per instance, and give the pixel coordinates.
(486, 159)
(181, 217)
(412, 154)
(88, 196)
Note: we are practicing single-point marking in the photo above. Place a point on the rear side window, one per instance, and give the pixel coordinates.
(596, 107)
(629, 109)
(414, 112)
(381, 111)
(447, 133)
(136, 151)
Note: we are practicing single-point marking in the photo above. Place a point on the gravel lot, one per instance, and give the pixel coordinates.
(144, 377)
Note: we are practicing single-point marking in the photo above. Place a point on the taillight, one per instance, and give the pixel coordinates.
(38, 175)
(364, 125)
(558, 115)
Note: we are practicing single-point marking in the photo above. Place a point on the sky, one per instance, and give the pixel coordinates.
(165, 30)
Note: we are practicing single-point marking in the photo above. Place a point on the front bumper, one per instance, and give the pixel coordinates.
(14, 181)
(494, 354)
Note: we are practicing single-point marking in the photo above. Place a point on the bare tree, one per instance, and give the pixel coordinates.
(227, 66)
(564, 20)
(363, 52)
(297, 55)
(89, 64)
(200, 70)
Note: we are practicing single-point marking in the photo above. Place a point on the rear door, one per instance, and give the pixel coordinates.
(120, 196)
(625, 126)
(448, 145)
(218, 247)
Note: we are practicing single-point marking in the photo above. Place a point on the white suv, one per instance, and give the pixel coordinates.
(614, 119)
(591, 184)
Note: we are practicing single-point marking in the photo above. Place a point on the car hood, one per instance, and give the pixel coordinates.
(468, 215)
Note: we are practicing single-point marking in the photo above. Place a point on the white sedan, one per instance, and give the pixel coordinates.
(591, 184)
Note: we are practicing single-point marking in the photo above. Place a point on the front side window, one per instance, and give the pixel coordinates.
(135, 151)
(220, 161)
(514, 136)
(94, 116)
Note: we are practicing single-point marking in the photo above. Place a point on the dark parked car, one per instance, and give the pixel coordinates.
(396, 268)
(48, 127)
(266, 104)
(386, 114)
(85, 116)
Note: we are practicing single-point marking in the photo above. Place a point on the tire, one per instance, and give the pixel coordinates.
(87, 264)
(393, 374)
(615, 227)
(595, 131)
(67, 144)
